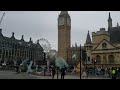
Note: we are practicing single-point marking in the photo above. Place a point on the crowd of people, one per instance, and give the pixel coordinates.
(52, 70)
(111, 72)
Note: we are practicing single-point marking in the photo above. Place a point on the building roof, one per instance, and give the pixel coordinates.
(20, 42)
(64, 12)
(107, 42)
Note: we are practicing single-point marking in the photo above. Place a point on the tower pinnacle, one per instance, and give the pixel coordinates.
(88, 39)
(109, 17)
(64, 12)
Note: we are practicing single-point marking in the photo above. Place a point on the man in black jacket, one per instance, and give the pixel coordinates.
(63, 73)
(53, 72)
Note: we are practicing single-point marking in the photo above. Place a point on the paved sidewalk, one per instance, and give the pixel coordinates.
(67, 77)
(14, 75)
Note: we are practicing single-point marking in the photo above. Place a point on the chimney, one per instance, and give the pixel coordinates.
(30, 39)
(22, 37)
(12, 35)
(37, 41)
(1, 32)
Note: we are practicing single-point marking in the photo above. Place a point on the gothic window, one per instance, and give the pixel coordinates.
(104, 45)
(111, 59)
(98, 59)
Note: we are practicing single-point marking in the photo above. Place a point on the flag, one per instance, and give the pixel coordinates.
(74, 56)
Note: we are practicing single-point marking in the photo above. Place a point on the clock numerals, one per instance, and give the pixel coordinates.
(61, 22)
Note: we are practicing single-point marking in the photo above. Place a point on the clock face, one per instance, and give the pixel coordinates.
(61, 21)
(68, 22)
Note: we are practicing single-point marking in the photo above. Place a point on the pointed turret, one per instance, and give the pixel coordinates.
(88, 45)
(109, 21)
(109, 18)
(88, 39)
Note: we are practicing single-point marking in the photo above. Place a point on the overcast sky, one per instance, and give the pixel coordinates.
(43, 24)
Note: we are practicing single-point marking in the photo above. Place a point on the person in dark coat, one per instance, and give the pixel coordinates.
(63, 73)
(17, 68)
(44, 69)
(53, 72)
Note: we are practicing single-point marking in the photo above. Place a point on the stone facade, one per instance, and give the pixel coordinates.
(104, 48)
(64, 38)
(64, 34)
(13, 50)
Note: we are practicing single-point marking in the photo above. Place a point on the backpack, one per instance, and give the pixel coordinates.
(113, 72)
(53, 70)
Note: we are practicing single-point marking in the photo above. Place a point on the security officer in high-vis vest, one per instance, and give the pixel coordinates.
(113, 73)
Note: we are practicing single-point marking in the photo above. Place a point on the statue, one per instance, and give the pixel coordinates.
(24, 65)
(29, 70)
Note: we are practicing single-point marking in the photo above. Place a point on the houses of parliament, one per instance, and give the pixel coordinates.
(104, 47)
(14, 51)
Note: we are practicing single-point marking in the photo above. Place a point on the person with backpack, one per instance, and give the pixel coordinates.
(63, 72)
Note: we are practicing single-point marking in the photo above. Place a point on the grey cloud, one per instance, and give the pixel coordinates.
(43, 24)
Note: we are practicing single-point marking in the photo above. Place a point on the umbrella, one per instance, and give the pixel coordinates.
(61, 63)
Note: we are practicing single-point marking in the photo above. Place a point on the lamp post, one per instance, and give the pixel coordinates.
(86, 61)
(67, 54)
(80, 61)
(57, 72)
(94, 62)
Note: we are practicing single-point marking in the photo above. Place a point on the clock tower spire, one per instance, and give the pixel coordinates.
(64, 34)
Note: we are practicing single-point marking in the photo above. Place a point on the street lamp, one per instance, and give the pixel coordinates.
(80, 61)
(57, 68)
(94, 62)
(67, 54)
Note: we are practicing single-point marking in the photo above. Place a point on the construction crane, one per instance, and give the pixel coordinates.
(2, 18)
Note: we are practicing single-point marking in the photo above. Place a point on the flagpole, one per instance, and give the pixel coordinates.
(80, 61)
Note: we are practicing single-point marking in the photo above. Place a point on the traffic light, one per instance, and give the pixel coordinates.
(94, 61)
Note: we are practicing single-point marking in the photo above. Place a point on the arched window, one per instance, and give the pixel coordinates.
(104, 45)
(111, 59)
(98, 59)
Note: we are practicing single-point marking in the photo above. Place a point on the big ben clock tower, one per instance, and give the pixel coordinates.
(64, 34)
